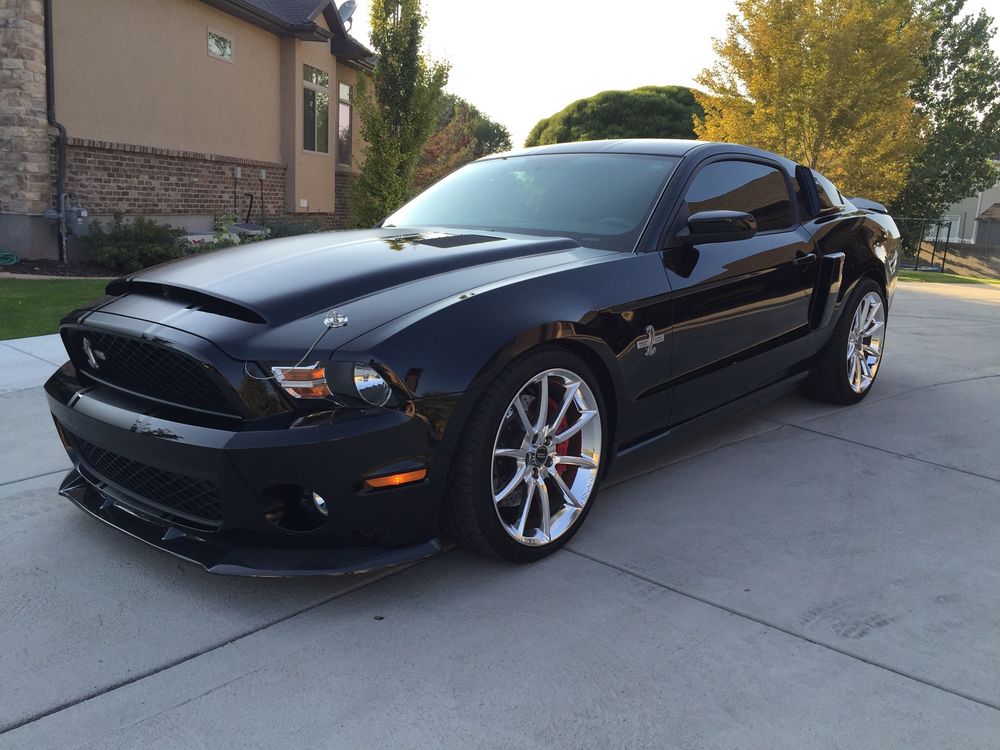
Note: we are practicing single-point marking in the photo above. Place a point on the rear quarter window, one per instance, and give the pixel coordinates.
(830, 198)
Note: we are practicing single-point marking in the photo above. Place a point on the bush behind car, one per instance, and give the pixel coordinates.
(125, 246)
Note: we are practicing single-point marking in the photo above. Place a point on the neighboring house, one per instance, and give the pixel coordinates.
(965, 215)
(988, 227)
(173, 108)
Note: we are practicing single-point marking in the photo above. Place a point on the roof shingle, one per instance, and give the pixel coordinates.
(299, 18)
(990, 214)
(290, 11)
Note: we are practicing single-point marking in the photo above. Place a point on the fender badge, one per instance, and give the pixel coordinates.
(335, 319)
(650, 341)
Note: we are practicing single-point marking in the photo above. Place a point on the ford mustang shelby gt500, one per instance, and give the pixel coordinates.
(476, 365)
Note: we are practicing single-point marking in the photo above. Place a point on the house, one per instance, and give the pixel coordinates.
(966, 215)
(988, 227)
(179, 110)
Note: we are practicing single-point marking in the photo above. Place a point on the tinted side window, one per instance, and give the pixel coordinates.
(800, 198)
(742, 186)
(829, 196)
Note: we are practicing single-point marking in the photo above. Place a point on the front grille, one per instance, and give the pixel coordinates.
(190, 498)
(150, 370)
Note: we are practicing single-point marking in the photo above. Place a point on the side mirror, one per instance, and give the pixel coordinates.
(718, 226)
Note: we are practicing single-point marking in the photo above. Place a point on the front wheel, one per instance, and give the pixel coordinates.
(846, 369)
(527, 470)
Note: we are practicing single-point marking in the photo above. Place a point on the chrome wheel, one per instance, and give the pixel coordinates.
(546, 456)
(864, 342)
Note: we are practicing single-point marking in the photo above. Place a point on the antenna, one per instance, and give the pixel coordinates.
(346, 11)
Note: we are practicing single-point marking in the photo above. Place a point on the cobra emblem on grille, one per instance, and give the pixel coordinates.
(93, 355)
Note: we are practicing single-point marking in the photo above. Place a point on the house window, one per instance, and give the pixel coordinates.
(344, 129)
(316, 110)
(220, 46)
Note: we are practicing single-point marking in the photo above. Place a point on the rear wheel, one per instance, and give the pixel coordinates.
(846, 369)
(527, 470)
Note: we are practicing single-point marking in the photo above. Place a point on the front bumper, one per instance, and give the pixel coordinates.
(221, 556)
(246, 469)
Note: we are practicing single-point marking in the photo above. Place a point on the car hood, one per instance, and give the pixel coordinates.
(281, 280)
(273, 296)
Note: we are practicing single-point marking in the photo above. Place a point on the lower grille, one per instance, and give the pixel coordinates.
(148, 369)
(186, 497)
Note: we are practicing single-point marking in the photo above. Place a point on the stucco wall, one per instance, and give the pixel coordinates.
(139, 72)
(314, 172)
(156, 123)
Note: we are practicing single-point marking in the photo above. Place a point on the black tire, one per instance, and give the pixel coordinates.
(828, 380)
(469, 512)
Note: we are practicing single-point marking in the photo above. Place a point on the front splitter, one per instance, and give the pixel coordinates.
(224, 558)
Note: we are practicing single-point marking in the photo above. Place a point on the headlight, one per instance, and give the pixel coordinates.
(370, 385)
(303, 382)
(347, 382)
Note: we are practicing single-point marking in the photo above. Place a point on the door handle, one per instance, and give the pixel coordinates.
(804, 259)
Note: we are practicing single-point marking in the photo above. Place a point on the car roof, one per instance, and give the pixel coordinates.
(653, 146)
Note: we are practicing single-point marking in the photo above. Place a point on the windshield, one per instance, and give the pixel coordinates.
(600, 200)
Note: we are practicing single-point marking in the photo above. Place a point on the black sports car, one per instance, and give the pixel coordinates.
(333, 403)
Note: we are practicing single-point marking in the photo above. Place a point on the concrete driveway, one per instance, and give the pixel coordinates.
(802, 576)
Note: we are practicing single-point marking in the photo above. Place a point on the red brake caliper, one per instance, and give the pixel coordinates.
(563, 447)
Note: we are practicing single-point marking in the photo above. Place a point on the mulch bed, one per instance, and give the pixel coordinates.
(55, 268)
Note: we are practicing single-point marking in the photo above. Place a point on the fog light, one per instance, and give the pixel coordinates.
(320, 505)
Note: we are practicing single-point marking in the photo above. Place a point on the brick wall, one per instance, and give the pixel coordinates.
(111, 177)
(341, 204)
(148, 181)
(24, 129)
(317, 220)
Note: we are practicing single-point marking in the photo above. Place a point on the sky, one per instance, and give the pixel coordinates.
(520, 62)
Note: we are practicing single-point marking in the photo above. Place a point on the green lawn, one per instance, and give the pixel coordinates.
(943, 278)
(32, 307)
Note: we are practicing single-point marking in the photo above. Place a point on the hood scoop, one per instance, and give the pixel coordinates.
(454, 240)
(192, 298)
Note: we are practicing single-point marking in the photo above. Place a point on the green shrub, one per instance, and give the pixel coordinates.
(126, 246)
(285, 228)
(129, 245)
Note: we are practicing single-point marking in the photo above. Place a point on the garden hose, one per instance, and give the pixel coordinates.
(7, 258)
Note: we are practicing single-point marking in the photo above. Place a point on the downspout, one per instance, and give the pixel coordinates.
(50, 107)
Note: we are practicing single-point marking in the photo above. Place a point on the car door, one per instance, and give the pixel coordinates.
(740, 308)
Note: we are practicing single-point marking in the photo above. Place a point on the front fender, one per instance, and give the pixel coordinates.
(458, 345)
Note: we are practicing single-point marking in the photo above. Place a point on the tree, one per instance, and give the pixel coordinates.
(491, 137)
(824, 82)
(447, 149)
(463, 134)
(646, 112)
(958, 94)
(397, 106)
